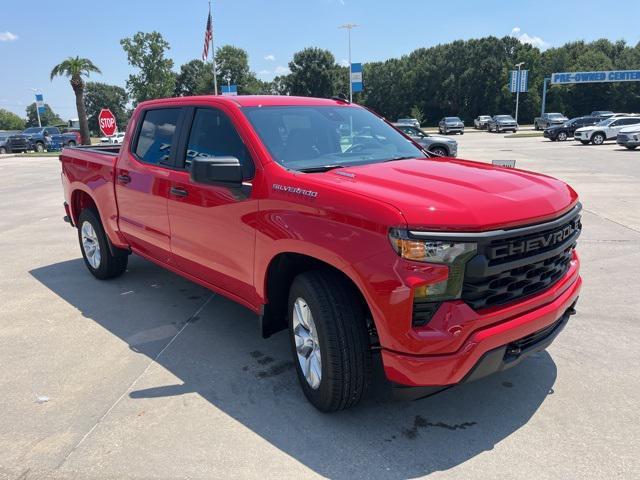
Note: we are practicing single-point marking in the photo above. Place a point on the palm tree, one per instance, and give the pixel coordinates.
(76, 68)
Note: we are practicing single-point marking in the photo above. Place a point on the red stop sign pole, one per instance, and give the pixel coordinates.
(107, 123)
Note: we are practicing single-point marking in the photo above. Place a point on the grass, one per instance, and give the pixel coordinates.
(37, 154)
(524, 135)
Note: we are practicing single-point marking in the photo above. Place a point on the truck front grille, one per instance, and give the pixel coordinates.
(516, 265)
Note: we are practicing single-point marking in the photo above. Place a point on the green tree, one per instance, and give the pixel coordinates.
(195, 78)
(75, 68)
(312, 73)
(48, 117)
(146, 52)
(10, 121)
(101, 95)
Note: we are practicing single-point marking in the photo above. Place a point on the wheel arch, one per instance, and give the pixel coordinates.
(279, 275)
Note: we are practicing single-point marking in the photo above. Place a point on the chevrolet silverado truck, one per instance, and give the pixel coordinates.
(548, 120)
(352, 240)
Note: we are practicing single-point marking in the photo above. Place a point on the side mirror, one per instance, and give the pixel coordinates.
(223, 171)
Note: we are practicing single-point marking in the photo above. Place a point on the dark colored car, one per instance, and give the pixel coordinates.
(567, 129)
(38, 138)
(17, 143)
(502, 123)
(4, 137)
(451, 125)
(548, 120)
(436, 144)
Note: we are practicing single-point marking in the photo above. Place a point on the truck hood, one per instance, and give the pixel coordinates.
(460, 195)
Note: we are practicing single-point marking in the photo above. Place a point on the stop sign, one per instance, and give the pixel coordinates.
(107, 122)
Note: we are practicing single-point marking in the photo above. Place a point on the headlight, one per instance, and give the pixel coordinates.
(453, 254)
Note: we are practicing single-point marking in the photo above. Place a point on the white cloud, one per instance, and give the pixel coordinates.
(344, 62)
(280, 70)
(528, 39)
(264, 73)
(8, 37)
(270, 58)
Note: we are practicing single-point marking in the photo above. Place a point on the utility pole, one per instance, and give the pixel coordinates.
(35, 91)
(519, 65)
(349, 27)
(544, 94)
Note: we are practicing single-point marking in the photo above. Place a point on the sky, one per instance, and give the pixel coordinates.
(271, 31)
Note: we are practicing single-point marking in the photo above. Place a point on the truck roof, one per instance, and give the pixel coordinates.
(249, 100)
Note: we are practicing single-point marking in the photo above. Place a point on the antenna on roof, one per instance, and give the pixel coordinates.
(341, 97)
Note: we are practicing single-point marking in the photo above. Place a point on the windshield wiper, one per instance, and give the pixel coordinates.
(321, 168)
(399, 158)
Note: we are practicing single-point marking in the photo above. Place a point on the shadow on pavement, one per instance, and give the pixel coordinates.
(221, 356)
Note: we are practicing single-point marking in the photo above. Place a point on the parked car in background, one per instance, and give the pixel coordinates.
(18, 143)
(607, 129)
(480, 122)
(548, 119)
(4, 136)
(602, 113)
(502, 123)
(409, 121)
(436, 144)
(566, 130)
(38, 137)
(629, 137)
(451, 125)
(116, 139)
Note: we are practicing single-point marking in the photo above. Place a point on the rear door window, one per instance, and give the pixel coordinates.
(157, 135)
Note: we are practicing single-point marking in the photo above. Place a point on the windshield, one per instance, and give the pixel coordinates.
(504, 117)
(452, 119)
(302, 137)
(484, 117)
(556, 115)
(606, 122)
(32, 130)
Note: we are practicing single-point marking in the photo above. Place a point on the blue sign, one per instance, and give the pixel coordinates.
(40, 103)
(356, 77)
(519, 81)
(230, 90)
(569, 78)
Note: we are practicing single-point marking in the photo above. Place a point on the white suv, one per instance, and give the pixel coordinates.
(605, 130)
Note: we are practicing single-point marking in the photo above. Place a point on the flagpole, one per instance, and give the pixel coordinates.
(213, 55)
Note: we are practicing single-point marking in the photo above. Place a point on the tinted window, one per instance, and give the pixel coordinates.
(213, 135)
(629, 121)
(157, 135)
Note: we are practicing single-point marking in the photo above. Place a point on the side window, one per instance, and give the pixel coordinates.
(213, 135)
(157, 135)
(631, 121)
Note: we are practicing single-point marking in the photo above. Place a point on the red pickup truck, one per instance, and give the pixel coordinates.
(328, 222)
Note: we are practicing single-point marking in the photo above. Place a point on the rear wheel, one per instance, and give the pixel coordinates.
(3, 150)
(329, 340)
(71, 143)
(598, 139)
(562, 136)
(95, 248)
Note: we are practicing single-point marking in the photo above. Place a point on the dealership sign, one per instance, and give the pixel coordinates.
(569, 78)
(107, 123)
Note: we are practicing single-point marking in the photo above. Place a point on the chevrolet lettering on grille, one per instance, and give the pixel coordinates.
(529, 245)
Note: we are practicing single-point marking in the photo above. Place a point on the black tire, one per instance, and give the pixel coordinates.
(342, 337)
(3, 150)
(461, 133)
(109, 266)
(536, 126)
(631, 147)
(439, 151)
(71, 143)
(584, 142)
(598, 138)
(39, 147)
(562, 136)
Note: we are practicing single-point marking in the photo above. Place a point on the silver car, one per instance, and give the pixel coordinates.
(436, 144)
(409, 121)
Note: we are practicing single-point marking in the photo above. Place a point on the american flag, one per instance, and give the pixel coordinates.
(208, 35)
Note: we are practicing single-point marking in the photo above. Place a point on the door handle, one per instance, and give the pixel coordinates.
(124, 178)
(178, 192)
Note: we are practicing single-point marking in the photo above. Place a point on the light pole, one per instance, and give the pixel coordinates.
(35, 91)
(349, 27)
(519, 65)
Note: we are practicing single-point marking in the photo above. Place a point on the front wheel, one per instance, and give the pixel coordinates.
(598, 139)
(329, 340)
(631, 147)
(94, 245)
(39, 147)
(562, 136)
(439, 151)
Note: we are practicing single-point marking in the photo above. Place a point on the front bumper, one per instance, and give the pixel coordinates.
(493, 341)
(628, 142)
